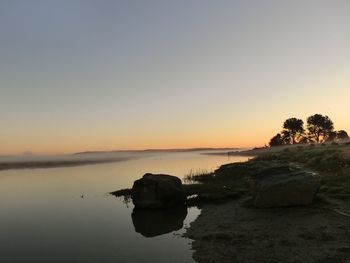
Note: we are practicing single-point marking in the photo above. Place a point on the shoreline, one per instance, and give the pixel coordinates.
(85, 158)
(236, 232)
(233, 230)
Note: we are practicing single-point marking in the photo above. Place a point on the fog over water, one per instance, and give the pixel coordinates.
(83, 158)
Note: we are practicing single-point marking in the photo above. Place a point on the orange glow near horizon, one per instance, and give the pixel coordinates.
(81, 146)
(171, 75)
(222, 137)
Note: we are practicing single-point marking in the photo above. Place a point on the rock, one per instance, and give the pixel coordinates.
(158, 191)
(284, 186)
(155, 222)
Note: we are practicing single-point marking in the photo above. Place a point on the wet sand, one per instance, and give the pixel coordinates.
(237, 232)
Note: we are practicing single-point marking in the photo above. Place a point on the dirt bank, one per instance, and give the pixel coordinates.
(237, 232)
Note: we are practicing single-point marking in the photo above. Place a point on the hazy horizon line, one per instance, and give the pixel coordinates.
(163, 149)
(180, 149)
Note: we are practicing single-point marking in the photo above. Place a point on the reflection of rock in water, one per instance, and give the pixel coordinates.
(151, 223)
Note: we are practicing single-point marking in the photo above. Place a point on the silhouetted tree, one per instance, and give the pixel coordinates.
(303, 140)
(286, 137)
(342, 135)
(293, 127)
(332, 136)
(319, 127)
(276, 140)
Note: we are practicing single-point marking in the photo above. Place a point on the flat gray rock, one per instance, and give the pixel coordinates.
(284, 186)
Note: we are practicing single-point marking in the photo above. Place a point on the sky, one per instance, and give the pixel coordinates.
(80, 75)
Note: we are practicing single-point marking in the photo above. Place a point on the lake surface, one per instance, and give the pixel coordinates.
(66, 215)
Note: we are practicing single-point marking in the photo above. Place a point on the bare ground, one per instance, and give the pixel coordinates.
(237, 232)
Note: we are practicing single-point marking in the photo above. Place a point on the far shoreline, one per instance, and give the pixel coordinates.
(21, 165)
(22, 162)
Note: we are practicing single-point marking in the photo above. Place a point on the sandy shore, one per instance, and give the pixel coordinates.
(237, 232)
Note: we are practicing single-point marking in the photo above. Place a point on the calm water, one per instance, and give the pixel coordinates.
(43, 217)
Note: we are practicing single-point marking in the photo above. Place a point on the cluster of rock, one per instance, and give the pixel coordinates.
(160, 200)
(273, 187)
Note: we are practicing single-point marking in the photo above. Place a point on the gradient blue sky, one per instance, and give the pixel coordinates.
(101, 75)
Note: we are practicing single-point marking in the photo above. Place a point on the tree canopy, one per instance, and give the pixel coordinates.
(295, 129)
(342, 135)
(276, 140)
(319, 129)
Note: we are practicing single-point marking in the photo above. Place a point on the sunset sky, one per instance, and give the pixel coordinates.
(80, 75)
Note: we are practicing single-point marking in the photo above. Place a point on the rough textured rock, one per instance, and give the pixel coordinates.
(284, 186)
(158, 191)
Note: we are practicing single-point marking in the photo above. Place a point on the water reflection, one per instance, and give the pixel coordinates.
(48, 221)
(151, 223)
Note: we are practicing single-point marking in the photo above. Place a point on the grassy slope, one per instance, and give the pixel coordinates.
(232, 180)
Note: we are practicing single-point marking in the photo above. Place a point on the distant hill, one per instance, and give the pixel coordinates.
(158, 150)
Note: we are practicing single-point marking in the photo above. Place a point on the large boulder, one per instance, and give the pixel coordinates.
(158, 191)
(284, 186)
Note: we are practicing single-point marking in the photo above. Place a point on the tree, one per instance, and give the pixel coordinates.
(282, 138)
(332, 136)
(276, 140)
(286, 137)
(294, 128)
(319, 127)
(303, 140)
(342, 135)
